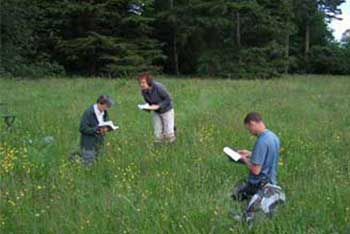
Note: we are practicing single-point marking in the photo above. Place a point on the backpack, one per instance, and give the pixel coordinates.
(266, 200)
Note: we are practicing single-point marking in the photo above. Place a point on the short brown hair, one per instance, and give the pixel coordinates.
(252, 116)
(105, 99)
(145, 76)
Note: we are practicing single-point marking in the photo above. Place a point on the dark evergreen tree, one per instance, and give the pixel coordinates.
(104, 37)
(20, 55)
(229, 38)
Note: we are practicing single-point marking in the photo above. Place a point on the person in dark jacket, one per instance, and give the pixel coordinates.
(92, 136)
(159, 99)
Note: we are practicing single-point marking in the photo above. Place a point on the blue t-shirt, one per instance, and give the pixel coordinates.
(265, 153)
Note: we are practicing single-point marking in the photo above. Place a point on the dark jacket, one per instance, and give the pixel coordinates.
(90, 140)
(158, 95)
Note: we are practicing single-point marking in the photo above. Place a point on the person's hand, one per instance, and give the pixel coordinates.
(245, 156)
(102, 130)
(154, 107)
(244, 153)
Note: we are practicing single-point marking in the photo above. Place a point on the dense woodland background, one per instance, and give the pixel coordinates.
(221, 38)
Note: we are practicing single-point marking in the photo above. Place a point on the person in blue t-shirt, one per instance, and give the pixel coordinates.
(262, 161)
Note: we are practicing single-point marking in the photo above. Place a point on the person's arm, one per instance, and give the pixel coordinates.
(145, 97)
(106, 116)
(85, 127)
(245, 153)
(255, 160)
(147, 101)
(165, 96)
(253, 168)
(103, 130)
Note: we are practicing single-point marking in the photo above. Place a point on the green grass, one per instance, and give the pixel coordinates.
(180, 188)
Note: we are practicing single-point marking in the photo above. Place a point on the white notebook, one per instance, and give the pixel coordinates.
(145, 106)
(108, 124)
(232, 154)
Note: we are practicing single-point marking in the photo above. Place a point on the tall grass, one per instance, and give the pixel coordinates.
(180, 188)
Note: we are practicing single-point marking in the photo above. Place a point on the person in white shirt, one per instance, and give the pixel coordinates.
(92, 136)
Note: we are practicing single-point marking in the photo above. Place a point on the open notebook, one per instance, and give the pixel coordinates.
(232, 154)
(108, 124)
(145, 106)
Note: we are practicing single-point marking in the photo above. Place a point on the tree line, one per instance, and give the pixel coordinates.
(221, 38)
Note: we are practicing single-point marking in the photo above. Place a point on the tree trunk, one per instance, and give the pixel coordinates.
(286, 53)
(175, 56)
(238, 29)
(307, 40)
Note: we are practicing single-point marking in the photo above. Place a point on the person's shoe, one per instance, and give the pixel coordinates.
(158, 141)
(249, 219)
(169, 138)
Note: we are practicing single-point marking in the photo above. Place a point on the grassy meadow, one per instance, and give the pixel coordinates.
(180, 188)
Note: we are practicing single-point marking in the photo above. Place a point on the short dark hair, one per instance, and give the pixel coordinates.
(145, 76)
(253, 116)
(105, 99)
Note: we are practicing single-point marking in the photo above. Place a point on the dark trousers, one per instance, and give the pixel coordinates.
(244, 191)
(89, 156)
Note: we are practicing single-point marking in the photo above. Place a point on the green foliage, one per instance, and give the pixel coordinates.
(252, 63)
(261, 63)
(329, 60)
(260, 54)
(102, 38)
(205, 37)
(345, 40)
(20, 55)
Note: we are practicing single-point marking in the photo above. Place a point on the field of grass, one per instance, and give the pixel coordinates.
(179, 188)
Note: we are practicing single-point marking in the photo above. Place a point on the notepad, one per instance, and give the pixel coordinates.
(109, 125)
(144, 106)
(232, 154)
